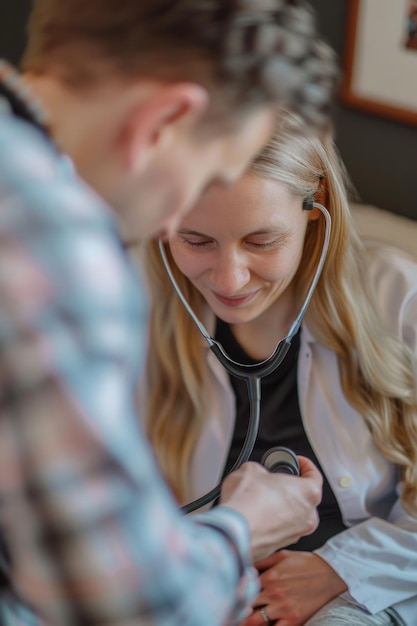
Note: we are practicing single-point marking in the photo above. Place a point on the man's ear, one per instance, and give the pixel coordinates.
(158, 117)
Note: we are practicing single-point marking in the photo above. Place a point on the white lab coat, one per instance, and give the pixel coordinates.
(377, 555)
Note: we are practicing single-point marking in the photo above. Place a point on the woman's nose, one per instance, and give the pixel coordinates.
(230, 274)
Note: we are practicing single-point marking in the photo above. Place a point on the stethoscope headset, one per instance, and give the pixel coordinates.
(275, 459)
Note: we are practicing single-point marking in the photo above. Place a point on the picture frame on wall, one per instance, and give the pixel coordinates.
(380, 65)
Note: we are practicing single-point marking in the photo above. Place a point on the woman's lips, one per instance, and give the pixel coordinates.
(235, 301)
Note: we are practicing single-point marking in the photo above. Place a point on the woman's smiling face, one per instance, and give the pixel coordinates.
(241, 246)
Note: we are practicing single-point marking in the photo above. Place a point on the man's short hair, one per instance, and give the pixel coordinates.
(250, 52)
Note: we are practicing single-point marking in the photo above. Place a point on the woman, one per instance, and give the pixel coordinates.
(345, 394)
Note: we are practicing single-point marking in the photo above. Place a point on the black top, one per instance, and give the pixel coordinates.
(280, 424)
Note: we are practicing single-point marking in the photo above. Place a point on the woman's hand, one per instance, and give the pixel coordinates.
(295, 585)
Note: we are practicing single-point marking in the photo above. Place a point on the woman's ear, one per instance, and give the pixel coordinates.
(322, 194)
(312, 212)
(321, 197)
(161, 116)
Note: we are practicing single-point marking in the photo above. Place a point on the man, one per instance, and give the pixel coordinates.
(152, 101)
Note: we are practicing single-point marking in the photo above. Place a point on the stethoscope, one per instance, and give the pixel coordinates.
(252, 374)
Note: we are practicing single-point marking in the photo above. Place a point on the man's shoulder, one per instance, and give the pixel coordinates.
(50, 220)
(36, 178)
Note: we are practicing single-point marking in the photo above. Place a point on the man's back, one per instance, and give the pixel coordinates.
(152, 104)
(82, 505)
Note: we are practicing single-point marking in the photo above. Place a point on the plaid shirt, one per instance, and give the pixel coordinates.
(91, 534)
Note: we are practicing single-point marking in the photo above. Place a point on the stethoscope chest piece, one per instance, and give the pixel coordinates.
(281, 459)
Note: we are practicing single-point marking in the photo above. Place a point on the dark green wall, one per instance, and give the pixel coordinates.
(380, 154)
(13, 16)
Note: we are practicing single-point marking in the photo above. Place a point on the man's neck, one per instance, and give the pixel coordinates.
(61, 109)
(20, 99)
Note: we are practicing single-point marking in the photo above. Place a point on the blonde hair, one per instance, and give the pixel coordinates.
(377, 369)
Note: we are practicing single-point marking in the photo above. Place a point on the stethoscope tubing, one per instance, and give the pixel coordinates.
(252, 374)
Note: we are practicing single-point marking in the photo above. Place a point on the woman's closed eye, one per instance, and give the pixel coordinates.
(267, 241)
(264, 245)
(197, 241)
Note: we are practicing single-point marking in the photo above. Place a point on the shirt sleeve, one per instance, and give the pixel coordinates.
(91, 532)
(376, 558)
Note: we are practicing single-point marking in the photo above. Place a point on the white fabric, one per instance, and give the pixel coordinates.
(377, 555)
(338, 612)
(376, 223)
